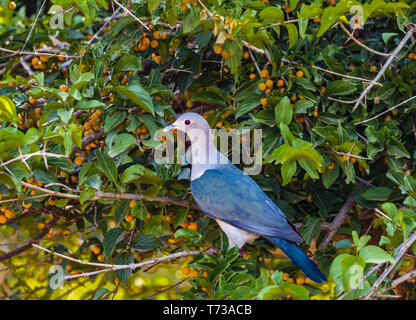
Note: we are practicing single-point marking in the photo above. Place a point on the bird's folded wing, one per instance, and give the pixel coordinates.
(226, 193)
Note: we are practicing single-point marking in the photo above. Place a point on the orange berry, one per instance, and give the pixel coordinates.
(12, 5)
(52, 201)
(11, 83)
(300, 74)
(263, 102)
(3, 219)
(100, 258)
(280, 83)
(269, 84)
(63, 88)
(154, 44)
(193, 274)
(316, 20)
(225, 54)
(411, 56)
(309, 198)
(185, 270)
(156, 35)
(189, 104)
(96, 250)
(129, 218)
(331, 166)
(62, 174)
(308, 281)
(79, 161)
(246, 55)
(315, 114)
(252, 76)
(32, 100)
(10, 213)
(373, 69)
(44, 58)
(62, 56)
(300, 280)
(163, 35)
(262, 86)
(264, 73)
(132, 204)
(193, 226)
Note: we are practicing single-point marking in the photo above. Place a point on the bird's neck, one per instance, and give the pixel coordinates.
(204, 153)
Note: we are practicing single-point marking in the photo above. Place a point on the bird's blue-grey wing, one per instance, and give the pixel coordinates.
(226, 193)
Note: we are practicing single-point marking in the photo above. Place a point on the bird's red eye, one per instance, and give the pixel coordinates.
(187, 122)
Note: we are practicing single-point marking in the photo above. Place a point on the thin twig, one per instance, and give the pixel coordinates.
(385, 66)
(33, 25)
(25, 157)
(346, 75)
(361, 44)
(112, 196)
(131, 14)
(386, 111)
(339, 219)
(403, 248)
(27, 246)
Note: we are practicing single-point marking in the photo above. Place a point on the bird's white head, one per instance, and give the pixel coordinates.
(188, 122)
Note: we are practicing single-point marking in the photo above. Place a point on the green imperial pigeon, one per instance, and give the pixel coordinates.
(242, 210)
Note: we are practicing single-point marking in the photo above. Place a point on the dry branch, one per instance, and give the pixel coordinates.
(339, 219)
(385, 66)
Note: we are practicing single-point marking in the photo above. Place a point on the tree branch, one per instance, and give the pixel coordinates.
(339, 219)
(27, 246)
(385, 66)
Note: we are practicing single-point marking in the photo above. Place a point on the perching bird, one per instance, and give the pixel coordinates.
(224, 193)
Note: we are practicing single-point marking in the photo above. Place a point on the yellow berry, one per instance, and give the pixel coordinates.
(12, 5)
(299, 74)
(262, 86)
(185, 270)
(264, 73)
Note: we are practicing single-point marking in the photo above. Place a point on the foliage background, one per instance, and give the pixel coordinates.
(80, 105)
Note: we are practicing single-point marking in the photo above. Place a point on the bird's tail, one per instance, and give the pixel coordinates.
(300, 258)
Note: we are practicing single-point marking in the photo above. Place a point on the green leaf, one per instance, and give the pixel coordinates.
(373, 254)
(377, 194)
(330, 176)
(100, 293)
(191, 20)
(246, 106)
(89, 104)
(145, 242)
(121, 143)
(111, 238)
(8, 110)
(339, 88)
(208, 97)
(293, 34)
(138, 95)
(283, 111)
(128, 63)
(86, 195)
(272, 14)
(107, 166)
(288, 170)
(302, 106)
(125, 258)
(113, 120)
(311, 229)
